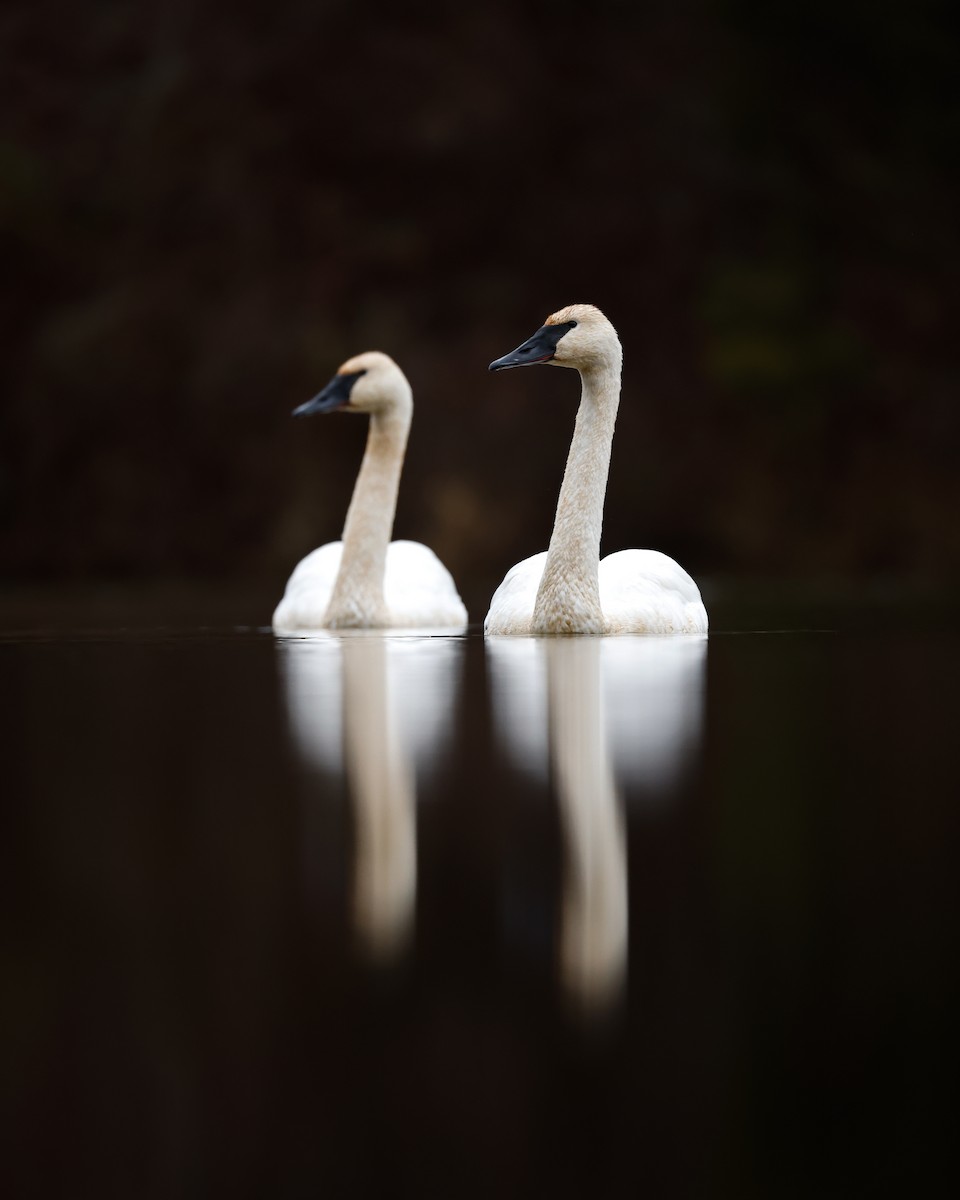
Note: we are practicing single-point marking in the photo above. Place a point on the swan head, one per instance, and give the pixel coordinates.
(367, 383)
(577, 336)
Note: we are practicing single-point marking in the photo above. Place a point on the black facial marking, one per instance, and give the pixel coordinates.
(538, 349)
(335, 395)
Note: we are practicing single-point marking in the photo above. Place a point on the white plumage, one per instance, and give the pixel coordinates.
(641, 591)
(418, 590)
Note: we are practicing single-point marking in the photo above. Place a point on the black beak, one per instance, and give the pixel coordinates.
(538, 349)
(335, 395)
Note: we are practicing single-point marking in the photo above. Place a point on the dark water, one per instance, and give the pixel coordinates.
(375, 916)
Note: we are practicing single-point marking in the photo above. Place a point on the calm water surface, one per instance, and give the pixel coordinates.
(368, 915)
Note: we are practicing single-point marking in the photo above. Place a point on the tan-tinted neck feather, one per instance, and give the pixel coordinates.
(357, 599)
(568, 599)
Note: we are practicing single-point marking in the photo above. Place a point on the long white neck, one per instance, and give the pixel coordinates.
(357, 599)
(568, 600)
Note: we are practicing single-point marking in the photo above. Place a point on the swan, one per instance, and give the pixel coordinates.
(366, 581)
(567, 589)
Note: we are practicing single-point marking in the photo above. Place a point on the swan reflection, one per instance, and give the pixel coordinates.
(603, 717)
(377, 710)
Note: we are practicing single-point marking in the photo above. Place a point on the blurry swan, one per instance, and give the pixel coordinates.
(344, 700)
(567, 589)
(365, 580)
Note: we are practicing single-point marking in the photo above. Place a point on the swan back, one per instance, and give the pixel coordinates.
(644, 591)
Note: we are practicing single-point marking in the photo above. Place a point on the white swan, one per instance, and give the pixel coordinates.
(567, 589)
(366, 581)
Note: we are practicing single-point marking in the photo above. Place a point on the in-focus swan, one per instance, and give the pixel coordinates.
(366, 581)
(567, 589)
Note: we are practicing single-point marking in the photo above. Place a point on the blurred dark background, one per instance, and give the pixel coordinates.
(205, 210)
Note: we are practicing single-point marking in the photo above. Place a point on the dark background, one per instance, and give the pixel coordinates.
(205, 210)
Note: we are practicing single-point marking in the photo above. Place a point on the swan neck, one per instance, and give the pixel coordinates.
(568, 599)
(357, 598)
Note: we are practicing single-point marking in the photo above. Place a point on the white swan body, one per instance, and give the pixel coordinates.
(418, 590)
(641, 591)
(567, 589)
(366, 581)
